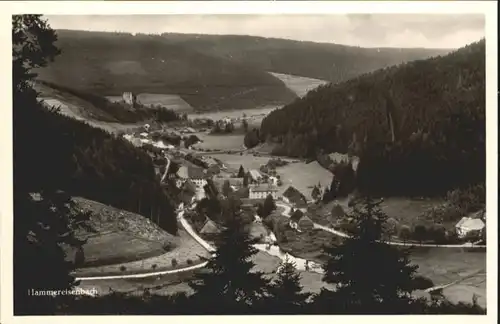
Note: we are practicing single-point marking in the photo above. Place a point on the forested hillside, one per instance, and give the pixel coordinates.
(113, 63)
(330, 62)
(89, 162)
(96, 107)
(418, 127)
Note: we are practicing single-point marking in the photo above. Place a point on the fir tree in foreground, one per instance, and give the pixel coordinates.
(370, 277)
(286, 295)
(229, 284)
(44, 217)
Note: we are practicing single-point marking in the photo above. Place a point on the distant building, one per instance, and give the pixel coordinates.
(194, 174)
(261, 192)
(129, 98)
(273, 181)
(468, 225)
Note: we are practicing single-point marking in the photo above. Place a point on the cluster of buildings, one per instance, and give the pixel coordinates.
(143, 139)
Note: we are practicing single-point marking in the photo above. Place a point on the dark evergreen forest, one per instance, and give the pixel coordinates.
(419, 128)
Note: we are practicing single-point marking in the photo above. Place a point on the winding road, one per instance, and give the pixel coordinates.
(273, 250)
(341, 234)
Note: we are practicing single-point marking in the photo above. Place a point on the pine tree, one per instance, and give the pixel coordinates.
(226, 188)
(47, 220)
(269, 206)
(241, 172)
(370, 277)
(286, 295)
(315, 193)
(229, 284)
(245, 180)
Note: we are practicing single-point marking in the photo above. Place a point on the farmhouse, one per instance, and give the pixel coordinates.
(293, 196)
(195, 174)
(468, 225)
(305, 223)
(300, 221)
(261, 192)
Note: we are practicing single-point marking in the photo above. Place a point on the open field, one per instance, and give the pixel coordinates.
(121, 238)
(216, 115)
(445, 266)
(406, 211)
(170, 101)
(302, 175)
(187, 249)
(78, 109)
(299, 85)
(220, 142)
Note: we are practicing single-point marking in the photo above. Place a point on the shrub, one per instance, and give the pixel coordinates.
(438, 234)
(420, 232)
(167, 246)
(391, 227)
(452, 237)
(469, 199)
(123, 268)
(174, 263)
(444, 213)
(154, 266)
(404, 233)
(422, 283)
(189, 261)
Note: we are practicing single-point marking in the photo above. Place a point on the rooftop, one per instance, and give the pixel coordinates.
(471, 223)
(263, 188)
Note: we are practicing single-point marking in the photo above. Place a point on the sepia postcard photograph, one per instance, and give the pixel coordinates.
(298, 158)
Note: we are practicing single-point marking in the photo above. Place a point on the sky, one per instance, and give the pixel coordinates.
(365, 30)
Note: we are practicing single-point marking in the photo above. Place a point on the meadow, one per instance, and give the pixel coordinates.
(129, 240)
(299, 85)
(302, 176)
(216, 115)
(444, 266)
(170, 101)
(221, 142)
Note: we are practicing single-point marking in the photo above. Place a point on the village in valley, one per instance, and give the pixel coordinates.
(292, 207)
(170, 156)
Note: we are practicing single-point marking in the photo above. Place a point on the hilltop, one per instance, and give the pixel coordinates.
(324, 61)
(109, 64)
(422, 123)
(208, 72)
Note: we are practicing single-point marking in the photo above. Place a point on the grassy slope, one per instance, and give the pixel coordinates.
(111, 63)
(322, 61)
(122, 238)
(120, 235)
